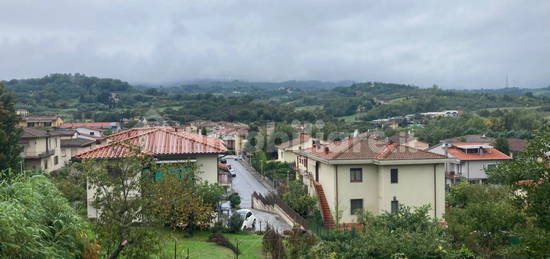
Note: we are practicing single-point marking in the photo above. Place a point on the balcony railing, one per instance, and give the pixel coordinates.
(224, 179)
(37, 155)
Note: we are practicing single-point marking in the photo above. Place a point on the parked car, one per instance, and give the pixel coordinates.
(249, 220)
(233, 172)
(239, 157)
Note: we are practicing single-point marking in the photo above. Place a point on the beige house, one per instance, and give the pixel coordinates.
(42, 148)
(285, 150)
(168, 146)
(366, 173)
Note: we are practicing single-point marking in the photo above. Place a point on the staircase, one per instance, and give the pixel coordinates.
(323, 204)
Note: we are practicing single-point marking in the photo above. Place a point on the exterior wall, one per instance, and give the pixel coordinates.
(366, 190)
(208, 166)
(474, 169)
(37, 146)
(89, 131)
(416, 187)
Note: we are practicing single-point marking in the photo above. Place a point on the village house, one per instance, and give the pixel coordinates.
(40, 121)
(285, 150)
(166, 145)
(515, 145)
(42, 149)
(409, 141)
(366, 173)
(469, 160)
(234, 138)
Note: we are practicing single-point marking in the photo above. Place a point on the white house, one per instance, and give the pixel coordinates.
(469, 160)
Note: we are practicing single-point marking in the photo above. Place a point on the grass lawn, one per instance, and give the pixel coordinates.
(250, 245)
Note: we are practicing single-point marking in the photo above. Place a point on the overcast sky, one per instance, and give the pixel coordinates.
(455, 44)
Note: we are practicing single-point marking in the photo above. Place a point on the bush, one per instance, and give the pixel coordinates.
(219, 227)
(235, 223)
(272, 244)
(221, 240)
(298, 199)
(235, 200)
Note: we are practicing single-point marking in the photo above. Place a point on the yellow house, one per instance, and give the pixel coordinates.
(41, 121)
(366, 173)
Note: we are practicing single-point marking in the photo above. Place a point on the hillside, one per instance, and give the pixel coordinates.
(80, 97)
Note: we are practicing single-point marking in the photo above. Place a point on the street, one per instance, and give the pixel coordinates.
(245, 184)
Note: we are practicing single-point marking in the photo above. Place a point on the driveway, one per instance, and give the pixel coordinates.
(245, 183)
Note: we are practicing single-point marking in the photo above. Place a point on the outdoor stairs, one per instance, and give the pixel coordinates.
(323, 204)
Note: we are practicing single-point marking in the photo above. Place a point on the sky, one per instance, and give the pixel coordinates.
(454, 44)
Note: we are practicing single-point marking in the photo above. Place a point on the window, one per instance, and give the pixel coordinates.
(30, 124)
(47, 124)
(113, 172)
(394, 205)
(356, 175)
(55, 160)
(356, 205)
(394, 175)
(491, 165)
(92, 133)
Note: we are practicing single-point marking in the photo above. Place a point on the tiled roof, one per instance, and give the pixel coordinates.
(89, 124)
(155, 141)
(293, 142)
(366, 146)
(42, 133)
(76, 142)
(40, 118)
(488, 154)
(517, 145)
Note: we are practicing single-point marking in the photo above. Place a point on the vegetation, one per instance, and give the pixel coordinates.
(36, 221)
(235, 223)
(9, 133)
(221, 240)
(298, 199)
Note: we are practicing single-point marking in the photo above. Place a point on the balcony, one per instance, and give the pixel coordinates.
(38, 155)
(224, 179)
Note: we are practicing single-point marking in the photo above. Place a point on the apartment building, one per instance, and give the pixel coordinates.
(42, 149)
(367, 173)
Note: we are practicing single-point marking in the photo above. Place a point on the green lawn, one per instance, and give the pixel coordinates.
(250, 245)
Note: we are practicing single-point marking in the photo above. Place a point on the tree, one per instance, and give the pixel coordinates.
(501, 144)
(179, 204)
(9, 132)
(298, 199)
(122, 198)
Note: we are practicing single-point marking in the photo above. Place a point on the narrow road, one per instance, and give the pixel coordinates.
(245, 184)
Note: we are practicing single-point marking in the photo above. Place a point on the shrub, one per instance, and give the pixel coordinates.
(235, 200)
(272, 244)
(221, 240)
(235, 223)
(219, 227)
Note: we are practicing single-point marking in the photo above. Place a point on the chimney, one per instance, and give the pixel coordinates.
(326, 150)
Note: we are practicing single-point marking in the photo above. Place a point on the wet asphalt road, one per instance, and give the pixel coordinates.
(245, 184)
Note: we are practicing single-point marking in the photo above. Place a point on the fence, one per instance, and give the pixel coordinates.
(273, 204)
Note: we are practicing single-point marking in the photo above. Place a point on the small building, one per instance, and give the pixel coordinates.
(285, 150)
(40, 121)
(469, 160)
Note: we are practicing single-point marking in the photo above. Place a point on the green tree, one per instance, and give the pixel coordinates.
(9, 132)
(298, 199)
(123, 197)
(501, 144)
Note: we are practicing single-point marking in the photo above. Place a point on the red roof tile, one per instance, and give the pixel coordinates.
(88, 124)
(488, 154)
(367, 146)
(155, 141)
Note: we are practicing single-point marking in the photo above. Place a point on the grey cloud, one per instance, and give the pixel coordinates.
(466, 44)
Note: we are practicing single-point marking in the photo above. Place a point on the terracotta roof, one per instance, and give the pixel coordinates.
(488, 154)
(366, 146)
(89, 124)
(517, 145)
(40, 118)
(293, 142)
(155, 141)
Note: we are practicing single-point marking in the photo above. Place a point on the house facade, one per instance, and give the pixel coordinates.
(42, 149)
(167, 146)
(469, 160)
(113, 127)
(285, 150)
(367, 173)
(40, 121)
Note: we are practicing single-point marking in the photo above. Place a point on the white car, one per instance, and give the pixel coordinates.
(249, 220)
(233, 172)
